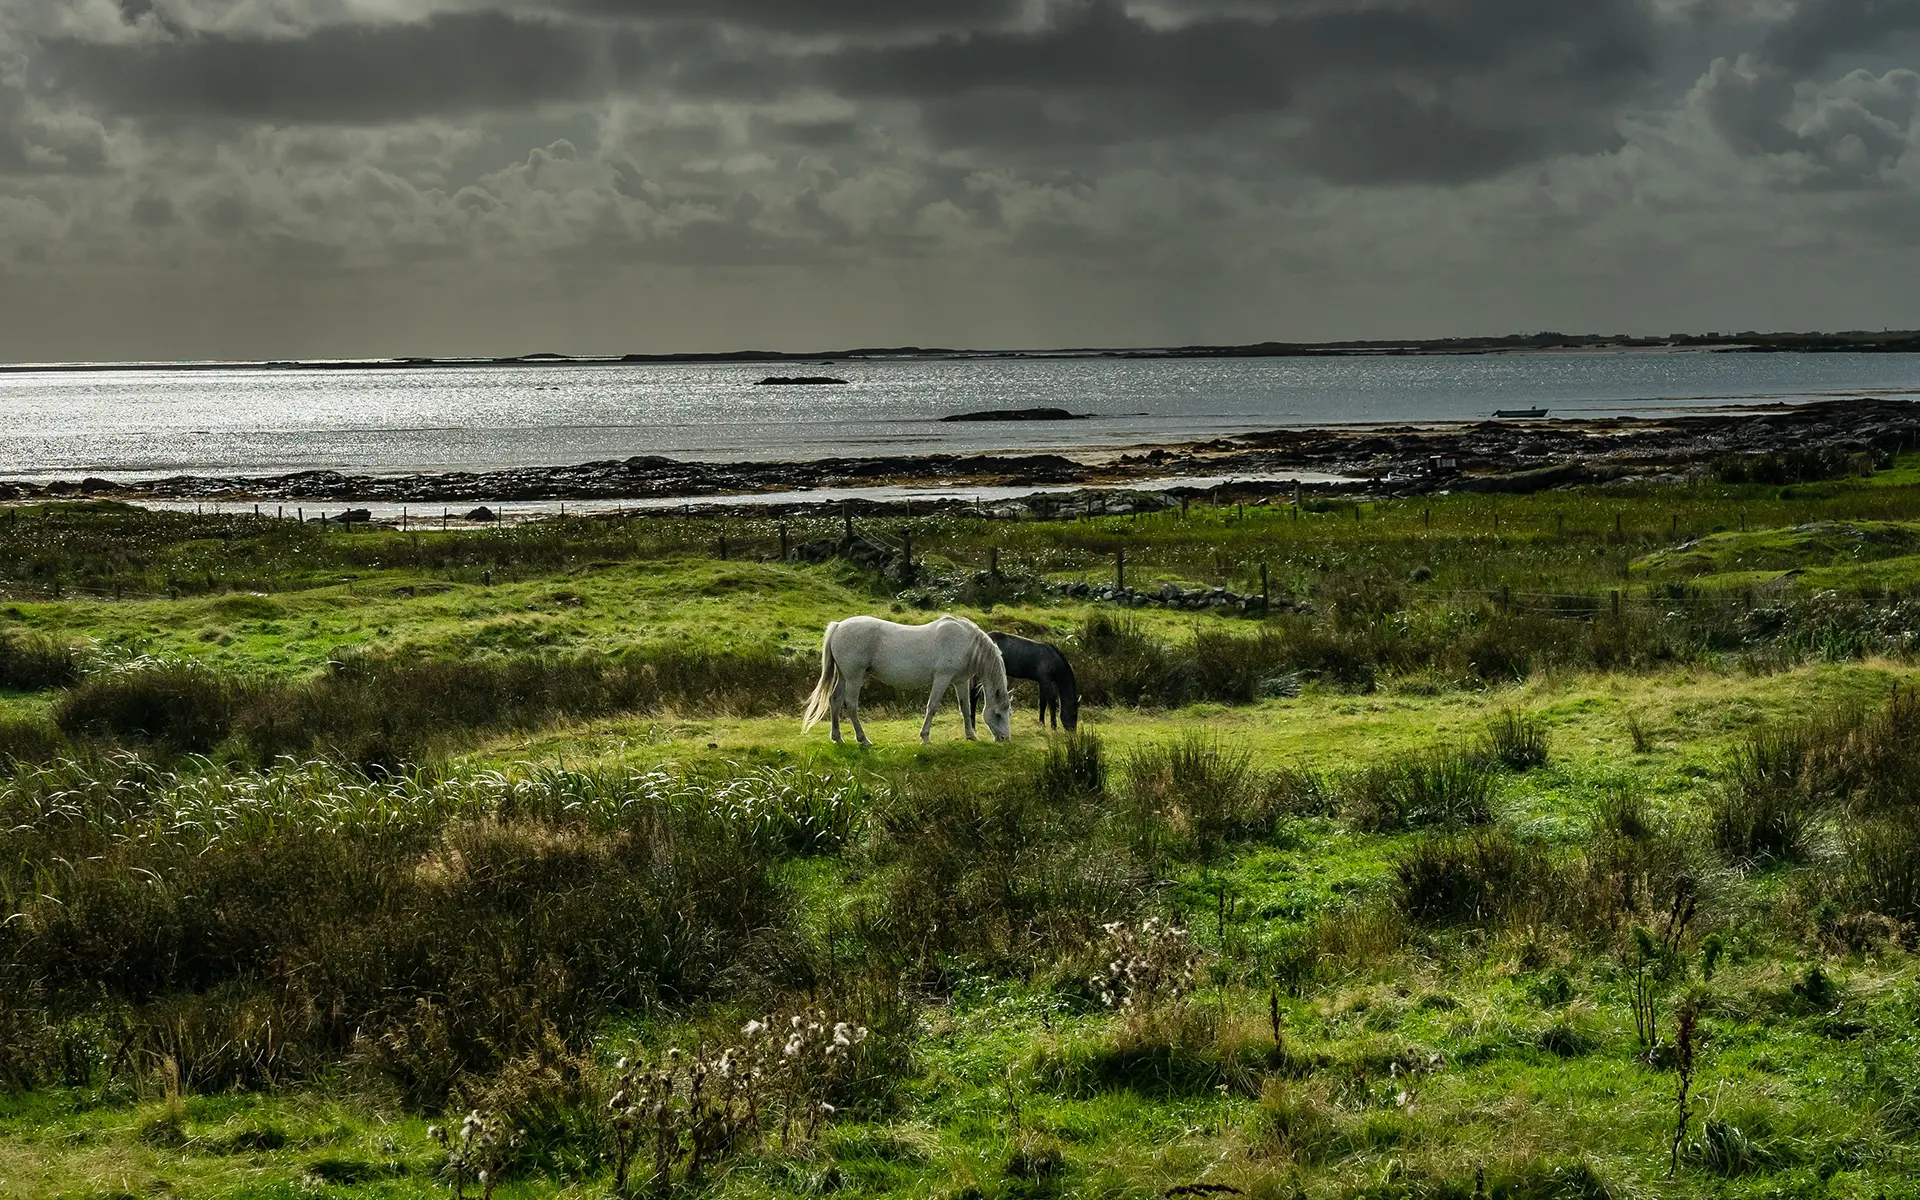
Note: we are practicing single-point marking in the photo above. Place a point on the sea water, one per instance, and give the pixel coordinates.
(122, 423)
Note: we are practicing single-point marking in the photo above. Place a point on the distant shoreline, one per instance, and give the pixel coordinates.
(1853, 342)
(1401, 459)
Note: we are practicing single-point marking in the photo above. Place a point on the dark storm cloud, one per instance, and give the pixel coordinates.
(448, 65)
(1819, 29)
(1390, 91)
(812, 16)
(1443, 90)
(1847, 134)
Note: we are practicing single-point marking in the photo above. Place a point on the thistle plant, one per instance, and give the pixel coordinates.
(690, 1110)
(478, 1152)
(1148, 968)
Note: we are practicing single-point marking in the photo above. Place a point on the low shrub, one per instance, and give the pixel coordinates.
(181, 706)
(32, 662)
(1516, 740)
(1487, 877)
(1882, 869)
(1075, 766)
(1195, 790)
(258, 935)
(29, 740)
(1769, 823)
(1442, 786)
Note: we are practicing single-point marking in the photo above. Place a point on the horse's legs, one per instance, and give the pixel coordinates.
(969, 708)
(940, 685)
(1049, 700)
(850, 697)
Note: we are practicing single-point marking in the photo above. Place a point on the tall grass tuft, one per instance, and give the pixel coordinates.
(1197, 793)
(1075, 766)
(1487, 877)
(1516, 740)
(32, 662)
(182, 706)
(1443, 786)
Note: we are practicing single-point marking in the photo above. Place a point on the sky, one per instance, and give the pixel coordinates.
(250, 179)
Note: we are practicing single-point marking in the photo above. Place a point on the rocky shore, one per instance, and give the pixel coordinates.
(1399, 460)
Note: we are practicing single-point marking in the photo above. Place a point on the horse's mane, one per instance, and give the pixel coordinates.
(983, 658)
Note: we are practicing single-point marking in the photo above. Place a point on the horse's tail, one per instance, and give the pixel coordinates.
(1069, 689)
(822, 698)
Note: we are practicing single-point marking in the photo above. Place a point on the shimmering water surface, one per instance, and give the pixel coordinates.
(256, 420)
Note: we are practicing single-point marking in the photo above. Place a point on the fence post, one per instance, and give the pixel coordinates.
(1426, 515)
(723, 547)
(783, 541)
(1616, 527)
(846, 519)
(1120, 570)
(1616, 605)
(993, 562)
(1265, 600)
(906, 548)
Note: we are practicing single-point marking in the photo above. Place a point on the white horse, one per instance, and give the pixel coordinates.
(952, 652)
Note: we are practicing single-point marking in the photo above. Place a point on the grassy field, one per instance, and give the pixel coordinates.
(361, 863)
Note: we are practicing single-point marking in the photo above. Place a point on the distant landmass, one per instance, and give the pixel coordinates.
(1019, 414)
(1748, 342)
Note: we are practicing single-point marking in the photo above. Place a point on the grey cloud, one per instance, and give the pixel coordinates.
(1818, 29)
(812, 16)
(448, 64)
(37, 141)
(1441, 90)
(1845, 133)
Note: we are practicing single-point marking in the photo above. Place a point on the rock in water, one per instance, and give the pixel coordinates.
(793, 380)
(1019, 414)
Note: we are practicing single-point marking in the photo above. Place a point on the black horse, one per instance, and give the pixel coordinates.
(1046, 666)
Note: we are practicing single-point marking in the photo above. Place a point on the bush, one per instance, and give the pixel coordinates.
(1412, 791)
(181, 706)
(255, 935)
(1882, 872)
(1199, 791)
(1768, 824)
(1075, 767)
(989, 871)
(1484, 877)
(26, 740)
(383, 711)
(34, 662)
(1517, 740)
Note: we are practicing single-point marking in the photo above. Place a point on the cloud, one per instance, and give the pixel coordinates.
(1182, 165)
(446, 65)
(1816, 30)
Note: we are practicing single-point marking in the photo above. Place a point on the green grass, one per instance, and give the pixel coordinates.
(956, 909)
